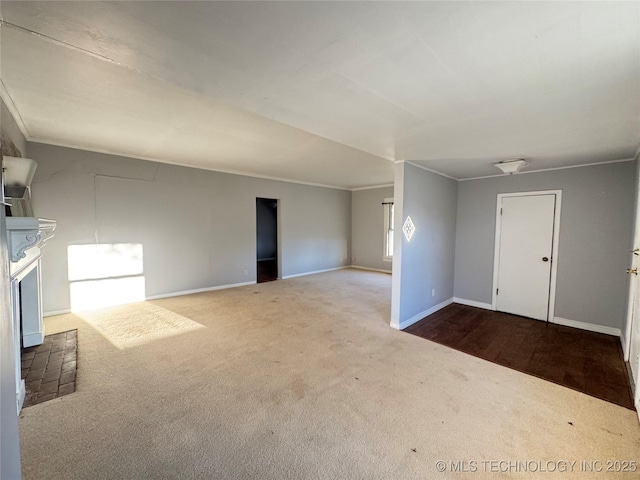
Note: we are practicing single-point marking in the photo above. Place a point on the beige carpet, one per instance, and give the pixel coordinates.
(303, 379)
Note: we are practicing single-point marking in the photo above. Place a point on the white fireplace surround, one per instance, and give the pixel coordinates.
(26, 237)
(26, 232)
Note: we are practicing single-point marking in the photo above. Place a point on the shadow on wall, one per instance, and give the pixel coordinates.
(104, 275)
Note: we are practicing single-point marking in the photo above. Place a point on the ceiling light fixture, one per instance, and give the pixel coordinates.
(512, 166)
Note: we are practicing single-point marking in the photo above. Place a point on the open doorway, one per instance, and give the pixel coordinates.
(267, 239)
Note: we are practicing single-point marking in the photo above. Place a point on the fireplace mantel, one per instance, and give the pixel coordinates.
(27, 232)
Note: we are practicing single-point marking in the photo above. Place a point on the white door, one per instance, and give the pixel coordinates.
(632, 332)
(525, 255)
(631, 337)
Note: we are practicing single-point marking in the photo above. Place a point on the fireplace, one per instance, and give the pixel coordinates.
(25, 238)
(26, 235)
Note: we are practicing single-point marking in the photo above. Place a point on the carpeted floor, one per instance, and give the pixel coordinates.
(304, 379)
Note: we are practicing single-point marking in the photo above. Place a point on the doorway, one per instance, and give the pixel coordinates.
(527, 227)
(267, 239)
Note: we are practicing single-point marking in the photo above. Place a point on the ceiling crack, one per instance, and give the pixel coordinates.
(62, 43)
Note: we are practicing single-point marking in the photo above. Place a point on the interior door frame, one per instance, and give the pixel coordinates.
(634, 285)
(554, 251)
(633, 312)
(278, 203)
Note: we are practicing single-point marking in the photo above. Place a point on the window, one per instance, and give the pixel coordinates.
(388, 229)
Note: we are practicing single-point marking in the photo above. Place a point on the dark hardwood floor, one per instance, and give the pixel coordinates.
(267, 270)
(589, 362)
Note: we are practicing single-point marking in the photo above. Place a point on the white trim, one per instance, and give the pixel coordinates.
(554, 252)
(388, 204)
(22, 393)
(592, 327)
(53, 313)
(633, 279)
(432, 171)
(31, 339)
(472, 303)
(425, 313)
(632, 292)
(372, 187)
(279, 237)
(553, 285)
(396, 266)
(636, 392)
(168, 295)
(358, 267)
(314, 272)
(496, 252)
(13, 110)
(550, 169)
(199, 290)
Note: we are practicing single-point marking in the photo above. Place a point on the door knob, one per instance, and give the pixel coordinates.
(633, 271)
(545, 259)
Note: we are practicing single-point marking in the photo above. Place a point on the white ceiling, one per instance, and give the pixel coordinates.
(330, 93)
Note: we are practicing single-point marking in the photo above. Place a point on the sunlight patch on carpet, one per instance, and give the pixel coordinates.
(137, 324)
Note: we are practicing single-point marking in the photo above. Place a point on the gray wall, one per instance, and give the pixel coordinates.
(595, 238)
(427, 260)
(197, 228)
(367, 230)
(9, 444)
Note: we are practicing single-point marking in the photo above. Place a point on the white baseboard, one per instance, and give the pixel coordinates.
(314, 272)
(168, 295)
(472, 303)
(199, 290)
(22, 393)
(623, 341)
(592, 327)
(587, 326)
(358, 267)
(634, 385)
(53, 313)
(421, 315)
